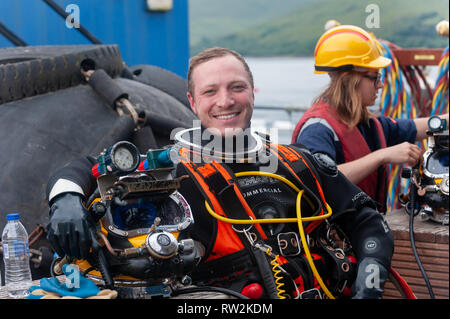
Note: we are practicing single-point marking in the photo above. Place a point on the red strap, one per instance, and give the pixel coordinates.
(409, 294)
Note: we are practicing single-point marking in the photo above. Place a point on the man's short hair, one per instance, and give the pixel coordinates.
(210, 54)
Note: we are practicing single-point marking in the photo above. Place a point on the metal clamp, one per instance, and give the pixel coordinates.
(312, 293)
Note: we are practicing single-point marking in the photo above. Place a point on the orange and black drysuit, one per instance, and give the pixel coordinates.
(227, 252)
(231, 261)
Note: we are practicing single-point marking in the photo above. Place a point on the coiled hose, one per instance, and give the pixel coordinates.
(278, 278)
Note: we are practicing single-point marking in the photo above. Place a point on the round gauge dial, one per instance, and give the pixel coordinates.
(434, 123)
(123, 158)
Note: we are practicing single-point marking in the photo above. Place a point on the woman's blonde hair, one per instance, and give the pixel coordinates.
(343, 94)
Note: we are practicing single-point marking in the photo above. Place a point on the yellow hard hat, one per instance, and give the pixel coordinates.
(345, 48)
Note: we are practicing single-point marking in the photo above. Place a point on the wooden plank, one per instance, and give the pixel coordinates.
(422, 252)
(419, 281)
(430, 274)
(423, 235)
(433, 246)
(399, 264)
(390, 291)
(411, 258)
(424, 231)
(421, 289)
(431, 241)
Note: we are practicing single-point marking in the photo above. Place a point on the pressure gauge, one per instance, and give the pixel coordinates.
(121, 158)
(435, 124)
(124, 157)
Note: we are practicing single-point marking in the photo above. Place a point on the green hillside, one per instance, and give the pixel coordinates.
(210, 19)
(407, 23)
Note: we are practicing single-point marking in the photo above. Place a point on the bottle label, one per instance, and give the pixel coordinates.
(15, 249)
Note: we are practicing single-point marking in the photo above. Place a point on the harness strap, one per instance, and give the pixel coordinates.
(232, 198)
(303, 173)
(233, 241)
(218, 186)
(343, 270)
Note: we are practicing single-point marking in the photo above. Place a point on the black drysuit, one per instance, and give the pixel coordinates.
(366, 228)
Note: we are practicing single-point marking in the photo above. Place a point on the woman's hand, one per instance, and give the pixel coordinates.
(404, 153)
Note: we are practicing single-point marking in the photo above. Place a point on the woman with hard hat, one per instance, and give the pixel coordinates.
(339, 125)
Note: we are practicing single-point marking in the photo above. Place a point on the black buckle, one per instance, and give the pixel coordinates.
(288, 244)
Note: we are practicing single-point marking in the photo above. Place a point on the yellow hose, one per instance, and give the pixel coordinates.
(268, 220)
(299, 220)
(278, 278)
(280, 178)
(306, 249)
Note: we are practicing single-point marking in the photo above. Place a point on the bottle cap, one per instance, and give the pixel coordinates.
(15, 216)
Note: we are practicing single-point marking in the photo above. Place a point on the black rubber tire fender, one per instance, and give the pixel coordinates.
(162, 79)
(30, 71)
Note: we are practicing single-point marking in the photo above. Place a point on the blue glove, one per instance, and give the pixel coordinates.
(79, 286)
(33, 296)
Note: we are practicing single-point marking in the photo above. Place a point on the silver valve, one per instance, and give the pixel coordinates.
(162, 244)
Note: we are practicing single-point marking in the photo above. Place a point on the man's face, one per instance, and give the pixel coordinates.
(223, 96)
(369, 87)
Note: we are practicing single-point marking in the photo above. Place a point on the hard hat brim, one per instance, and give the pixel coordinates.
(379, 63)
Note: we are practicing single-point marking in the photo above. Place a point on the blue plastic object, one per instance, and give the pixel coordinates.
(76, 286)
(15, 216)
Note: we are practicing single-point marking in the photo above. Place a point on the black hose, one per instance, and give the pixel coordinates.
(163, 124)
(209, 289)
(410, 210)
(104, 270)
(106, 87)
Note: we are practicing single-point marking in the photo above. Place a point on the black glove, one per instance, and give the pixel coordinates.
(71, 230)
(370, 279)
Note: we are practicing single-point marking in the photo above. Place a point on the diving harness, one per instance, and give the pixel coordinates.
(271, 259)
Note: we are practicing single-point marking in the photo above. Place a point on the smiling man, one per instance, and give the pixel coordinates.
(222, 96)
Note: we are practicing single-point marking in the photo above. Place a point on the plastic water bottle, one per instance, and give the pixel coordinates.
(16, 256)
